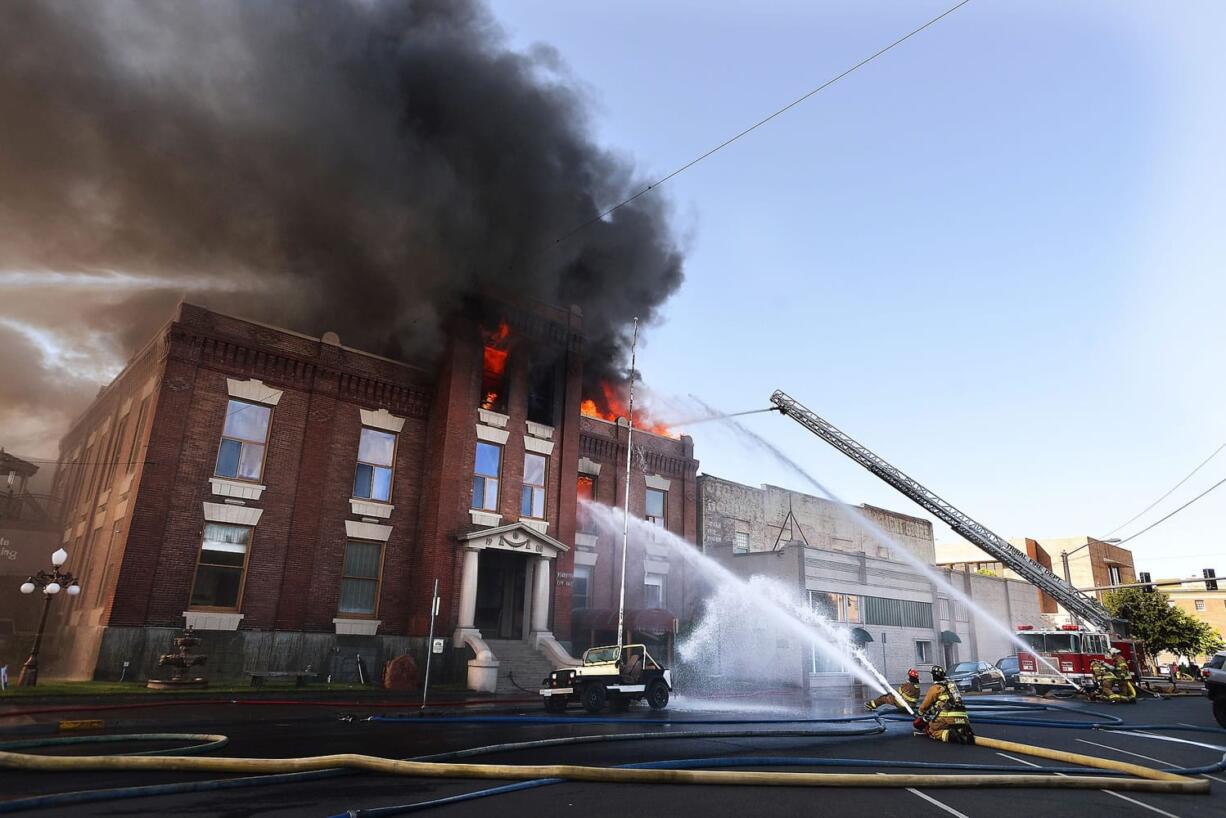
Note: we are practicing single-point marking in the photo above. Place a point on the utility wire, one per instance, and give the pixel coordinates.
(1172, 514)
(601, 216)
(1169, 493)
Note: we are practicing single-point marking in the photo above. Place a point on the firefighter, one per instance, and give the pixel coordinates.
(944, 712)
(909, 691)
(1124, 687)
(1104, 679)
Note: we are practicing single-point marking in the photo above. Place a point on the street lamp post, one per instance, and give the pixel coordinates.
(51, 583)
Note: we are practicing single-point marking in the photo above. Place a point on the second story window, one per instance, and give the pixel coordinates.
(532, 503)
(373, 479)
(486, 472)
(586, 493)
(242, 441)
(655, 507)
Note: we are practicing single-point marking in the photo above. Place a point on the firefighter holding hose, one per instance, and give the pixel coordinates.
(1125, 690)
(943, 715)
(909, 691)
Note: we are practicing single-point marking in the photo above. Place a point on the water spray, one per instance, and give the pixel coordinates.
(771, 605)
(882, 537)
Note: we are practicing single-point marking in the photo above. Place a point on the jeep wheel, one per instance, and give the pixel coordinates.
(555, 704)
(1219, 709)
(657, 694)
(594, 697)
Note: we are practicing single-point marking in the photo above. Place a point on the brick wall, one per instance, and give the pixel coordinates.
(137, 545)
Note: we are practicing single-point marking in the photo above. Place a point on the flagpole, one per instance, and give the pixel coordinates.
(621, 602)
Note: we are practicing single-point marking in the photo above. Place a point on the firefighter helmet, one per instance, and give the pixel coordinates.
(913, 675)
(938, 673)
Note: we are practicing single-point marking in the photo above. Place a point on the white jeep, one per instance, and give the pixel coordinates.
(611, 675)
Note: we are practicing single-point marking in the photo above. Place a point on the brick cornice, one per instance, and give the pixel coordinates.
(236, 355)
(603, 449)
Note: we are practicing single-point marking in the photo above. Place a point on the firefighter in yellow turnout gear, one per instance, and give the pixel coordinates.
(1124, 688)
(909, 691)
(944, 711)
(1104, 677)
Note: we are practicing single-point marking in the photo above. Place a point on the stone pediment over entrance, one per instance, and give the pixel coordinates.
(514, 536)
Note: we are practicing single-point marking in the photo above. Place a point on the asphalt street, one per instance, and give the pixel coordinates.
(283, 732)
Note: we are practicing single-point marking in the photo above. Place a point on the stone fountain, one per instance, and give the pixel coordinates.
(180, 663)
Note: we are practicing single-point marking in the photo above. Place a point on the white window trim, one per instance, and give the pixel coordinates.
(491, 435)
(492, 418)
(589, 467)
(655, 567)
(485, 518)
(370, 508)
(383, 420)
(586, 558)
(535, 524)
(226, 487)
(235, 515)
(538, 446)
(356, 627)
(655, 481)
(355, 530)
(212, 620)
(253, 390)
(540, 430)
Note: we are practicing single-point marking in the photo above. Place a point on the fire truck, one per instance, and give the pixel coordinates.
(1071, 649)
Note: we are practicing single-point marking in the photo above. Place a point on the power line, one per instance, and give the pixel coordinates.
(1169, 493)
(682, 169)
(1173, 513)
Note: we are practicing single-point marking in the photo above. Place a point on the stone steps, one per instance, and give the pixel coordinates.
(521, 667)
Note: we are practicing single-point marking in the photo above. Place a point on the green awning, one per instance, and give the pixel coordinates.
(950, 638)
(861, 636)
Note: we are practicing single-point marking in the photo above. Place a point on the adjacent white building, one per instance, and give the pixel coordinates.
(900, 617)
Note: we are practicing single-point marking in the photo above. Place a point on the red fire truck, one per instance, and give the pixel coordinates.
(1071, 649)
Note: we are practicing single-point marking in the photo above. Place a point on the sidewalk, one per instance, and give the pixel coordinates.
(33, 713)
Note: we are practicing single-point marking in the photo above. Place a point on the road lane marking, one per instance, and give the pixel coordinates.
(1108, 792)
(1128, 752)
(937, 803)
(1160, 761)
(934, 802)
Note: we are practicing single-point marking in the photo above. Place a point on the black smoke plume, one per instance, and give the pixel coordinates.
(348, 165)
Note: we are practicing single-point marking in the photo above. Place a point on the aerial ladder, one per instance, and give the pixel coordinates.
(1081, 606)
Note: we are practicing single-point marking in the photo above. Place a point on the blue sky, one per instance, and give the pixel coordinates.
(992, 255)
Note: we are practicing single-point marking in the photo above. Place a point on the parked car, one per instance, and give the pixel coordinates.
(977, 676)
(1009, 666)
(1214, 674)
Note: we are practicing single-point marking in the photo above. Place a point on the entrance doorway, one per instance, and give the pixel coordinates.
(501, 599)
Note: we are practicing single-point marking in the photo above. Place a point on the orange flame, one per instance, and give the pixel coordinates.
(494, 363)
(615, 407)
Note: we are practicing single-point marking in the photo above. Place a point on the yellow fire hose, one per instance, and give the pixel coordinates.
(1145, 780)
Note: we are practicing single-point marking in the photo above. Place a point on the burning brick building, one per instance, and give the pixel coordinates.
(295, 500)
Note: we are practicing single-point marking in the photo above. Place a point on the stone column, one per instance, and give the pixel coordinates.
(468, 589)
(540, 597)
